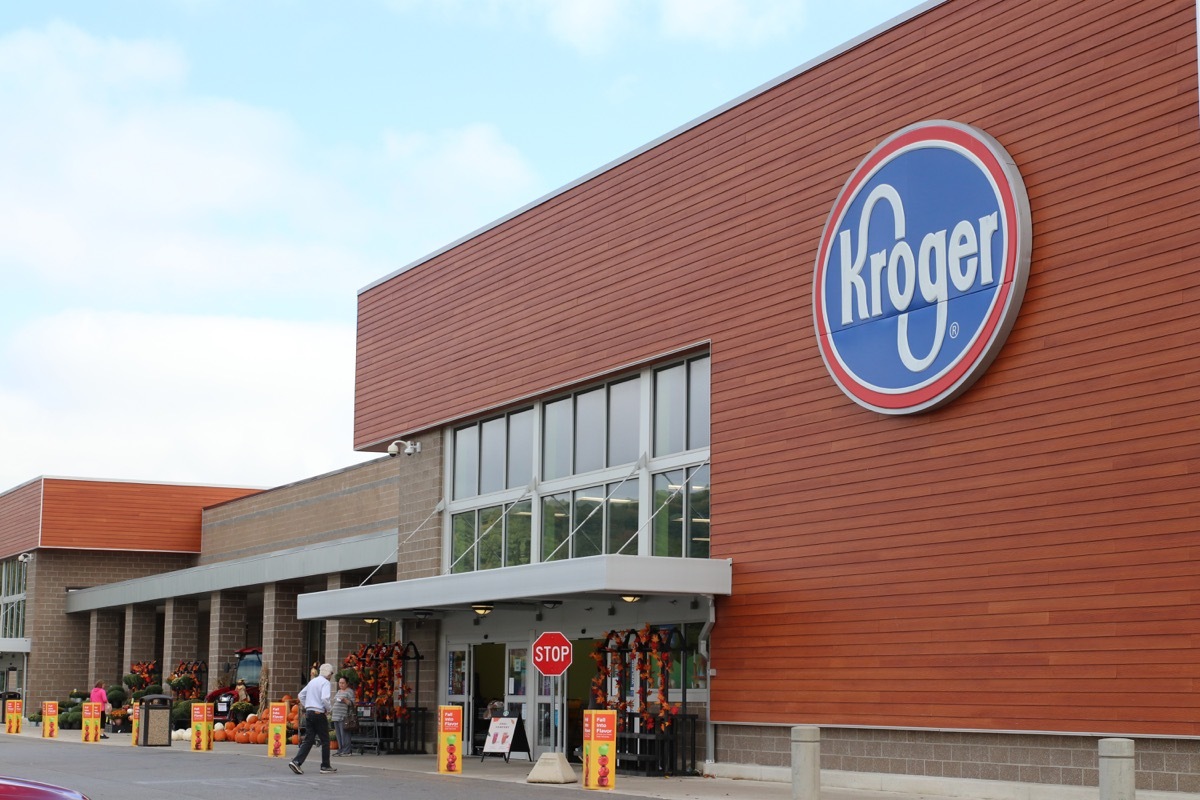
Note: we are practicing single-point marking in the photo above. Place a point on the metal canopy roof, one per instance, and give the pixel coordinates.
(594, 576)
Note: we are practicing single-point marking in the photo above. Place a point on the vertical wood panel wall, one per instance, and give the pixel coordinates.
(1027, 557)
(20, 512)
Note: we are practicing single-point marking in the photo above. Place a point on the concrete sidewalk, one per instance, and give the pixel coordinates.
(516, 771)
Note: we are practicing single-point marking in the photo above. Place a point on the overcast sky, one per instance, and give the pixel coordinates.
(192, 192)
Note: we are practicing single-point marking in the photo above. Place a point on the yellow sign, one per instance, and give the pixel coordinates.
(599, 749)
(50, 719)
(450, 739)
(91, 722)
(135, 717)
(12, 716)
(202, 727)
(277, 731)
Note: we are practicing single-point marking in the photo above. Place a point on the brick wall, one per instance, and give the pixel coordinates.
(226, 634)
(1171, 765)
(61, 657)
(420, 535)
(356, 501)
(181, 633)
(283, 639)
(105, 647)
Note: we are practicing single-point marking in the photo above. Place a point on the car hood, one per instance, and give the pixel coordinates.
(20, 789)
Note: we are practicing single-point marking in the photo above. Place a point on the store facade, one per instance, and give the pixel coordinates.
(965, 546)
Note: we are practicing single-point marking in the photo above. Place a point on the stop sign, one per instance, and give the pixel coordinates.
(552, 653)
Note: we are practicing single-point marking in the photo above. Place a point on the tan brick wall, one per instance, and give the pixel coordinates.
(226, 634)
(343, 636)
(181, 633)
(1171, 765)
(283, 639)
(356, 501)
(61, 657)
(420, 545)
(105, 647)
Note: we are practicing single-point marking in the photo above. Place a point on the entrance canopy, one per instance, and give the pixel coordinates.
(601, 577)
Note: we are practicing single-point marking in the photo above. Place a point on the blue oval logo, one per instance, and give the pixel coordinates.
(922, 267)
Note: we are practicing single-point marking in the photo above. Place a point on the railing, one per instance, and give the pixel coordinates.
(669, 751)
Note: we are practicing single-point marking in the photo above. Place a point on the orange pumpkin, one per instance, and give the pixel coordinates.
(242, 737)
(219, 735)
(295, 738)
(252, 718)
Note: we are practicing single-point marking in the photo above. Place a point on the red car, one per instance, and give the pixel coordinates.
(19, 789)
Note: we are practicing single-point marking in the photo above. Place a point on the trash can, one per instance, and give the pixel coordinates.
(154, 725)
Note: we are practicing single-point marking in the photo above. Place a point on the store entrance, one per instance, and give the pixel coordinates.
(487, 678)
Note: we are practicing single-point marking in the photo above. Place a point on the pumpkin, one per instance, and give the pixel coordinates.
(242, 737)
(295, 738)
(218, 734)
(252, 718)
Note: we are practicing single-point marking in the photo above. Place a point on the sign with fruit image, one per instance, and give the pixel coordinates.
(202, 727)
(50, 719)
(91, 722)
(599, 748)
(450, 736)
(12, 716)
(277, 731)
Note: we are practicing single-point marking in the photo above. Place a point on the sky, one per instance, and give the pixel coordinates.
(193, 192)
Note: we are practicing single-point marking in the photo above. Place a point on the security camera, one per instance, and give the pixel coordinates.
(24, 558)
(410, 448)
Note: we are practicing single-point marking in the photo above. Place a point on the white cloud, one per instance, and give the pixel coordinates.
(119, 180)
(174, 398)
(471, 170)
(731, 23)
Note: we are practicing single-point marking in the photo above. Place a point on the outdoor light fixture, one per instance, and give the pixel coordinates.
(370, 620)
(482, 609)
(612, 610)
(551, 603)
(631, 598)
(422, 613)
(410, 448)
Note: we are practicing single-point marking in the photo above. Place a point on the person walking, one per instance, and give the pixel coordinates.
(343, 701)
(314, 698)
(100, 696)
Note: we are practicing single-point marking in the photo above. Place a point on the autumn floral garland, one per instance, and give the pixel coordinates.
(380, 670)
(650, 646)
(187, 669)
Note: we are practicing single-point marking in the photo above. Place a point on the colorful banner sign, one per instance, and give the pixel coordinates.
(12, 716)
(92, 713)
(277, 731)
(50, 719)
(450, 739)
(599, 749)
(135, 717)
(202, 727)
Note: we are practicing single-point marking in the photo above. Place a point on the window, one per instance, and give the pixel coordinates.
(12, 599)
(573, 473)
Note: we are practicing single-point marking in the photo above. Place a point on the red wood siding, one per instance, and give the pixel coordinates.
(19, 518)
(1025, 558)
(109, 515)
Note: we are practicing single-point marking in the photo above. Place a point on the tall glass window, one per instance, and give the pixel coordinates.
(571, 473)
(492, 460)
(466, 461)
(520, 448)
(589, 430)
(557, 433)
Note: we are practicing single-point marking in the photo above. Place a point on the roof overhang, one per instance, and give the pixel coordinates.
(594, 576)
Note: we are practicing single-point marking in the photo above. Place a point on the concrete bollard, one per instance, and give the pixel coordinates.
(806, 762)
(1117, 780)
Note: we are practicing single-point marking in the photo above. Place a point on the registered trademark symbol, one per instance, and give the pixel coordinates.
(953, 330)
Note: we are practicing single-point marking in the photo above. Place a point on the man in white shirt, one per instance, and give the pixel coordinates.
(314, 699)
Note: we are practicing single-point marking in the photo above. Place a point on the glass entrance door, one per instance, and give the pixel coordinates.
(458, 684)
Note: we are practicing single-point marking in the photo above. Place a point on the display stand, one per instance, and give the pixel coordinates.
(505, 736)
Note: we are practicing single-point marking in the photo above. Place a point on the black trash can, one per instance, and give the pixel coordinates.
(154, 721)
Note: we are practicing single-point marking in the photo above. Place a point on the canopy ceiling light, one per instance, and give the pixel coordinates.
(482, 609)
(631, 598)
(422, 613)
(551, 603)
(370, 620)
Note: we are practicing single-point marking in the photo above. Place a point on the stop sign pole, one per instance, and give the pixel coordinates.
(552, 655)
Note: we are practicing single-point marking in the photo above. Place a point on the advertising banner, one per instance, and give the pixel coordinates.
(450, 739)
(12, 716)
(277, 731)
(135, 717)
(599, 749)
(202, 727)
(50, 719)
(91, 722)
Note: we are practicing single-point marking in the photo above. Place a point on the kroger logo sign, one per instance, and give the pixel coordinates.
(922, 267)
